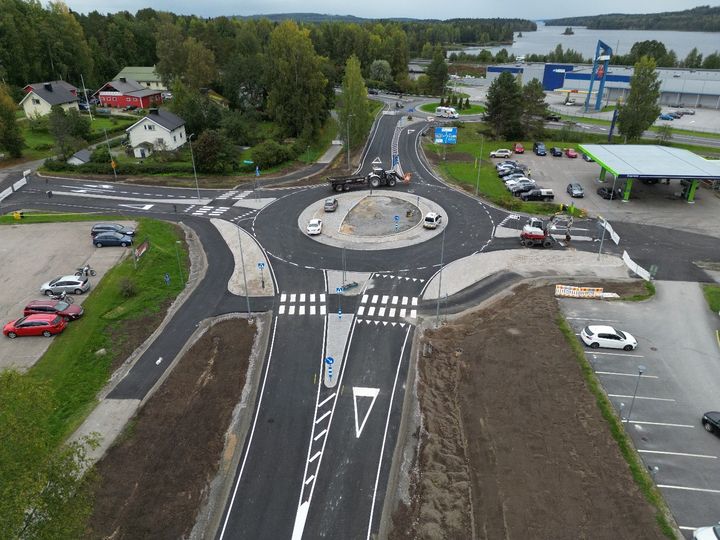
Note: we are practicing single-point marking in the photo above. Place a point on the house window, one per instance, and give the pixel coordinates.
(151, 127)
(35, 101)
(174, 138)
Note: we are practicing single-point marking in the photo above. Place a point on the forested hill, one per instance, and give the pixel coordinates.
(699, 19)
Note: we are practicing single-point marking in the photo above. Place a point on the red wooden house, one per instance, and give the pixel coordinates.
(126, 93)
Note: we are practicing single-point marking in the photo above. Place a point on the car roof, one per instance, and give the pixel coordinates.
(714, 415)
(40, 317)
(111, 233)
(601, 328)
(67, 278)
(35, 303)
(315, 220)
(98, 225)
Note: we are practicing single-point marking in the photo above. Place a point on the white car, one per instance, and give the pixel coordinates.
(517, 181)
(607, 337)
(315, 226)
(501, 153)
(707, 533)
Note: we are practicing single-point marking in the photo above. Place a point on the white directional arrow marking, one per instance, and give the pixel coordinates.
(360, 391)
(138, 206)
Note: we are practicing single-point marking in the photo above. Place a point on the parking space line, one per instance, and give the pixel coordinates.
(684, 528)
(659, 424)
(686, 488)
(626, 374)
(586, 319)
(676, 454)
(641, 397)
(615, 354)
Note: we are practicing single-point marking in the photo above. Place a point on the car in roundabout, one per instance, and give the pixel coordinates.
(112, 239)
(67, 284)
(607, 337)
(330, 204)
(35, 325)
(314, 227)
(711, 422)
(501, 153)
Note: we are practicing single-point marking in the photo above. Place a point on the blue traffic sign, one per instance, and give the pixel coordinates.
(261, 265)
(445, 135)
(397, 218)
(329, 360)
(338, 290)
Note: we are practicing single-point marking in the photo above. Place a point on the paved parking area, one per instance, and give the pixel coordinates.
(658, 204)
(678, 347)
(32, 255)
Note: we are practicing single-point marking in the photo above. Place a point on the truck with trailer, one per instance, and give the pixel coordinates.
(540, 233)
(375, 178)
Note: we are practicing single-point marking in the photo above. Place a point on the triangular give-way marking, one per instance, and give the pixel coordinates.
(363, 392)
(138, 206)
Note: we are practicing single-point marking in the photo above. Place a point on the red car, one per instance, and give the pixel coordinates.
(519, 148)
(35, 325)
(55, 307)
(569, 152)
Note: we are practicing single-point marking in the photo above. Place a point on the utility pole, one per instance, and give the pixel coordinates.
(112, 161)
(87, 102)
(242, 263)
(442, 256)
(192, 157)
(477, 182)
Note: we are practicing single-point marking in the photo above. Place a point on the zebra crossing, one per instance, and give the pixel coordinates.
(234, 195)
(386, 306)
(401, 278)
(212, 211)
(302, 304)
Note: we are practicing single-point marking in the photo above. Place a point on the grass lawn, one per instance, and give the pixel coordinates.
(712, 295)
(70, 367)
(474, 109)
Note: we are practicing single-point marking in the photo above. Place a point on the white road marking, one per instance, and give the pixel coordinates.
(361, 310)
(322, 310)
(641, 397)
(414, 301)
(413, 314)
(302, 297)
(686, 488)
(385, 299)
(381, 312)
(364, 299)
(323, 432)
(374, 299)
(322, 418)
(312, 477)
(660, 424)
(312, 297)
(361, 391)
(324, 401)
(592, 351)
(292, 297)
(626, 374)
(317, 455)
(322, 297)
(291, 310)
(402, 312)
(405, 300)
(371, 311)
(677, 454)
(301, 310)
(392, 312)
(282, 309)
(312, 310)
(394, 299)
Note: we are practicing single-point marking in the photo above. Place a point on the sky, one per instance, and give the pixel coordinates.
(417, 9)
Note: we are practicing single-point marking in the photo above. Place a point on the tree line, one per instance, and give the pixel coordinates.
(699, 19)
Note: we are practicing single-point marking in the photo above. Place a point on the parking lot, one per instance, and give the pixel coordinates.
(677, 347)
(659, 204)
(32, 255)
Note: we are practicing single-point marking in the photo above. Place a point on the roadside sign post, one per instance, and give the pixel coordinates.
(329, 361)
(445, 136)
(339, 291)
(261, 266)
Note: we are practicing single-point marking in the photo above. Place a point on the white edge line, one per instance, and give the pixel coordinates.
(325, 278)
(642, 397)
(387, 425)
(677, 454)
(252, 432)
(659, 424)
(626, 374)
(686, 488)
(593, 351)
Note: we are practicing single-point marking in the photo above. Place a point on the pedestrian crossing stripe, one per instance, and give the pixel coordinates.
(377, 322)
(401, 278)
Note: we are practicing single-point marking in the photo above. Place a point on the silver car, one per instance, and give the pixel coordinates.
(68, 284)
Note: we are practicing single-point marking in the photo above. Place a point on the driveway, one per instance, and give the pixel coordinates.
(678, 348)
(32, 255)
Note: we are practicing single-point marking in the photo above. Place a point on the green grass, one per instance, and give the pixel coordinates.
(637, 469)
(650, 292)
(37, 217)
(111, 124)
(712, 295)
(71, 367)
(474, 109)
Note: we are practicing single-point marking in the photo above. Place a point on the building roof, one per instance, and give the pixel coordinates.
(82, 155)
(128, 87)
(650, 161)
(139, 73)
(54, 92)
(162, 117)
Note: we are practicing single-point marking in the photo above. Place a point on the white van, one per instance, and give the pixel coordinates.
(446, 112)
(432, 220)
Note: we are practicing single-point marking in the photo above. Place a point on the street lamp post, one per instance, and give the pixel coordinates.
(477, 182)
(641, 370)
(347, 140)
(177, 254)
(242, 264)
(442, 256)
(192, 157)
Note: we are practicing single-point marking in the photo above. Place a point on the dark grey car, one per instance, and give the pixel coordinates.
(112, 239)
(575, 190)
(111, 227)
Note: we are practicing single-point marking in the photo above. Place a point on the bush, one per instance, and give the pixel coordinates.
(100, 155)
(128, 289)
(270, 153)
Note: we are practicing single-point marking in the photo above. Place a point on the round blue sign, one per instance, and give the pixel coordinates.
(329, 360)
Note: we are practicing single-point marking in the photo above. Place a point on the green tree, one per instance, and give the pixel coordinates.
(296, 83)
(200, 68)
(504, 107)
(65, 128)
(534, 109)
(380, 71)
(171, 55)
(467, 103)
(437, 72)
(641, 108)
(11, 138)
(214, 153)
(354, 111)
(712, 61)
(43, 493)
(197, 110)
(693, 59)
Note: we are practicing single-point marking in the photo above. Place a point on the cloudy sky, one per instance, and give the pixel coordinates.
(530, 9)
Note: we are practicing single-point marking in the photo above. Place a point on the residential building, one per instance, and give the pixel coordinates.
(124, 92)
(41, 97)
(81, 157)
(159, 130)
(146, 76)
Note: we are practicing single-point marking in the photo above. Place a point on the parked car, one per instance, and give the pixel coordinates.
(555, 152)
(507, 163)
(552, 117)
(607, 193)
(331, 204)
(111, 227)
(571, 153)
(314, 226)
(539, 149)
(70, 311)
(518, 148)
(112, 239)
(501, 153)
(675, 114)
(35, 325)
(507, 172)
(373, 91)
(513, 176)
(538, 195)
(687, 111)
(707, 533)
(432, 220)
(711, 422)
(67, 284)
(587, 158)
(607, 337)
(665, 117)
(575, 190)
(520, 182)
(522, 187)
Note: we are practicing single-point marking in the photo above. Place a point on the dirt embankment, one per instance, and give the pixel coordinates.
(152, 482)
(513, 444)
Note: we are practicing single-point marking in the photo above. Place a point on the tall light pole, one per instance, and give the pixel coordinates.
(347, 140)
(112, 161)
(242, 263)
(177, 253)
(477, 182)
(641, 370)
(442, 256)
(192, 157)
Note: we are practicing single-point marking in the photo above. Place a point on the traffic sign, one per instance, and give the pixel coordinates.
(397, 218)
(445, 135)
(248, 161)
(329, 361)
(377, 161)
(338, 290)
(395, 159)
(261, 265)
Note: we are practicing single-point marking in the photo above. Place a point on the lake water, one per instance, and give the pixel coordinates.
(546, 38)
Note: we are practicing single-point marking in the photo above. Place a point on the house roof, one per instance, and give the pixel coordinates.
(82, 155)
(161, 117)
(54, 92)
(139, 73)
(649, 161)
(128, 87)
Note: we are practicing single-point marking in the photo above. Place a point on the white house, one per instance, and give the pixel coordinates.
(159, 130)
(40, 97)
(146, 76)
